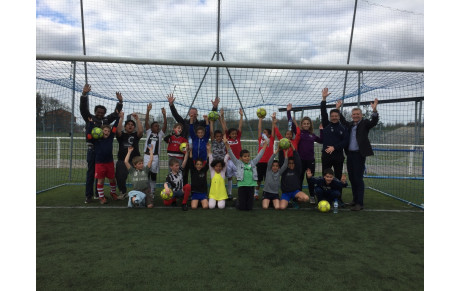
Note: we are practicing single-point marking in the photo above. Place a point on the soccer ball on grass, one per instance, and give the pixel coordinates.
(324, 206)
(97, 133)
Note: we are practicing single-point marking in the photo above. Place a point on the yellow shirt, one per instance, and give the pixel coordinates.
(218, 190)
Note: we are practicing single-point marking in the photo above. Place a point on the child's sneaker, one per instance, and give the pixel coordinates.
(122, 196)
(184, 207)
(256, 196)
(114, 196)
(103, 200)
(312, 199)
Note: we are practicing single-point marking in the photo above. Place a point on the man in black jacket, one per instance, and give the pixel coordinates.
(335, 140)
(358, 148)
(98, 119)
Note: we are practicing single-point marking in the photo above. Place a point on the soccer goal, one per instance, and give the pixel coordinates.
(396, 169)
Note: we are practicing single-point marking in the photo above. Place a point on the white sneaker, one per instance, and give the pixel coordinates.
(122, 196)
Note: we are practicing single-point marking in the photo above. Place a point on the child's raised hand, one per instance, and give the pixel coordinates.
(321, 126)
(309, 175)
(121, 114)
(343, 179)
(241, 111)
(151, 148)
(170, 99)
(205, 117)
(134, 115)
(163, 111)
(149, 107)
(289, 107)
(130, 149)
(224, 138)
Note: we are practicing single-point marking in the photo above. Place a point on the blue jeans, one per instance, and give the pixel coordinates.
(90, 185)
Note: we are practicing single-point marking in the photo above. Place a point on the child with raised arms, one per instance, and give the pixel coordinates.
(262, 164)
(200, 137)
(290, 182)
(234, 139)
(272, 180)
(246, 174)
(217, 192)
(140, 195)
(154, 135)
(103, 148)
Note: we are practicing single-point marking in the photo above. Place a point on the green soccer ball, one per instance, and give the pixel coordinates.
(165, 196)
(284, 143)
(324, 206)
(213, 115)
(261, 112)
(97, 133)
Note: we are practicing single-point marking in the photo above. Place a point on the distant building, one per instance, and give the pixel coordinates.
(58, 120)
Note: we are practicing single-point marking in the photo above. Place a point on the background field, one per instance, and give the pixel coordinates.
(114, 248)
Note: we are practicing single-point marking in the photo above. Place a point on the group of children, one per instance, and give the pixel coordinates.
(225, 158)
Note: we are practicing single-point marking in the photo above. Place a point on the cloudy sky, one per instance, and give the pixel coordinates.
(386, 32)
(311, 32)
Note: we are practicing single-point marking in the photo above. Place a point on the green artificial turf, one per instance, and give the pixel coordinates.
(110, 247)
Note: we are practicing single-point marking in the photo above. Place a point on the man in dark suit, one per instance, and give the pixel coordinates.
(359, 147)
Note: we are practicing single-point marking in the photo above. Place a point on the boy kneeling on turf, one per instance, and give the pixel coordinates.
(175, 182)
(290, 181)
(140, 195)
(327, 187)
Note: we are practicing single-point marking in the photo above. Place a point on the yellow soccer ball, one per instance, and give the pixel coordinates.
(324, 206)
(284, 143)
(183, 147)
(261, 112)
(97, 133)
(213, 115)
(164, 195)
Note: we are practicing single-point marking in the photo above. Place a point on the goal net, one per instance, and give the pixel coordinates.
(396, 169)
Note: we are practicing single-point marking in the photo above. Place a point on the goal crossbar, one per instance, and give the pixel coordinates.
(226, 64)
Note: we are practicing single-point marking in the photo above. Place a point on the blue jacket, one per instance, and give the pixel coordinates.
(334, 134)
(199, 144)
(336, 184)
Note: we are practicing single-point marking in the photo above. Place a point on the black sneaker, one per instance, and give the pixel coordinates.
(184, 207)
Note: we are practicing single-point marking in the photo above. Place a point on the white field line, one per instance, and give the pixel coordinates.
(233, 208)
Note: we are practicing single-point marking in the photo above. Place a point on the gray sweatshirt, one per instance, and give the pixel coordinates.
(240, 165)
(272, 180)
